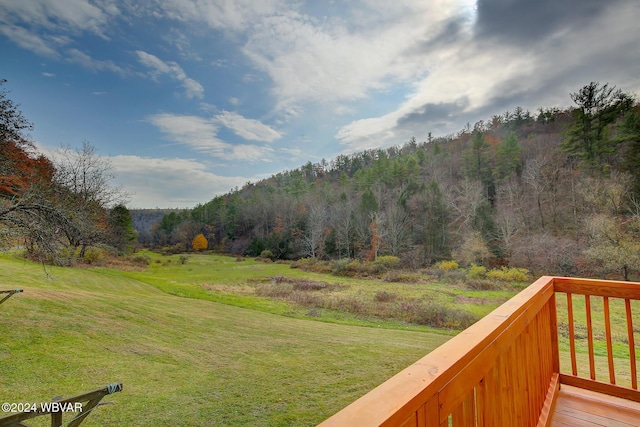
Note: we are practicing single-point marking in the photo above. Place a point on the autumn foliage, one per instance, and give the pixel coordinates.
(20, 165)
(21, 169)
(199, 243)
(55, 208)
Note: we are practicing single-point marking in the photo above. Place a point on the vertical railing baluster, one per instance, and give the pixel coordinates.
(469, 409)
(592, 363)
(607, 332)
(480, 403)
(432, 412)
(572, 335)
(632, 348)
(553, 334)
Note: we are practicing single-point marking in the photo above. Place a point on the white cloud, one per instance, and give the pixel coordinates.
(164, 182)
(344, 59)
(249, 129)
(28, 40)
(39, 25)
(167, 183)
(53, 15)
(476, 78)
(369, 133)
(201, 134)
(45, 74)
(236, 15)
(192, 88)
(77, 57)
(252, 153)
(196, 132)
(182, 44)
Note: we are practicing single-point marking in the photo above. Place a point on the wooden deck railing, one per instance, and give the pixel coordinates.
(599, 297)
(502, 371)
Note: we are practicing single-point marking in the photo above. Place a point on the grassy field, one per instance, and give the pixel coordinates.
(207, 340)
(272, 287)
(184, 361)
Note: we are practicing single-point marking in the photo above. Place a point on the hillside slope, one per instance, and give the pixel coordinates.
(557, 192)
(182, 361)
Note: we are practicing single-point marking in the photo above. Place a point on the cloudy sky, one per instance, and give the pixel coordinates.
(190, 98)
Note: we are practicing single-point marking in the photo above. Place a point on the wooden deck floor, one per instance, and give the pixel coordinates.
(577, 407)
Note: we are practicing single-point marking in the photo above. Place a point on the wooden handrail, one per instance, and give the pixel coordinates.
(504, 370)
(607, 291)
(469, 367)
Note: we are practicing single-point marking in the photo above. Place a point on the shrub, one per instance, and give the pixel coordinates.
(355, 266)
(306, 299)
(447, 265)
(314, 313)
(183, 259)
(309, 286)
(384, 296)
(387, 262)
(275, 291)
(481, 285)
(142, 260)
(455, 276)
(312, 264)
(199, 243)
(341, 266)
(392, 276)
(92, 255)
(509, 274)
(442, 317)
(267, 254)
(476, 272)
(398, 277)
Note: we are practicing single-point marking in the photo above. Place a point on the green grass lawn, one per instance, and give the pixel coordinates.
(184, 361)
(195, 343)
(224, 279)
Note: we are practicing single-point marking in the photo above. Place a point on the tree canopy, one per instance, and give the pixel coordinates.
(517, 189)
(51, 206)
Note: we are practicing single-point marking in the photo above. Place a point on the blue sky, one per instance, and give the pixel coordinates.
(190, 98)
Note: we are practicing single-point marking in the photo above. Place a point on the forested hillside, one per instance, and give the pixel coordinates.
(555, 191)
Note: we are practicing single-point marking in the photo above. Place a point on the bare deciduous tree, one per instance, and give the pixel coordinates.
(83, 193)
(315, 233)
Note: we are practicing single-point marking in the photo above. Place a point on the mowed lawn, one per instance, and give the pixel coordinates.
(183, 361)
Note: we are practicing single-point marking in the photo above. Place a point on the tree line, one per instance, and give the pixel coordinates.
(59, 207)
(555, 191)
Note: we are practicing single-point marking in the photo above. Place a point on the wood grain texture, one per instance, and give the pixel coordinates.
(504, 370)
(632, 345)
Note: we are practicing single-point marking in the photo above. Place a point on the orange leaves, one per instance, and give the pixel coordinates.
(18, 169)
(492, 140)
(199, 243)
